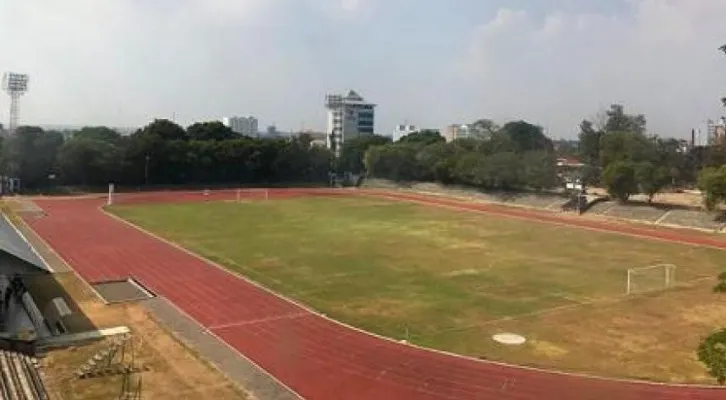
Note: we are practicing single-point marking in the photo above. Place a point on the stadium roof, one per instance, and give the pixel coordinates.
(12, 243)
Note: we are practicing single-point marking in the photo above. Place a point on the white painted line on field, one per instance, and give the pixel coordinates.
(664, 216)
(284, 317)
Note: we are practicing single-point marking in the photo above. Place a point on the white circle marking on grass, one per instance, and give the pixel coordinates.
(509, 338)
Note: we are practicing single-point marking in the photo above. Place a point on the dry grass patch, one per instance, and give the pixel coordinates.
(450, 280)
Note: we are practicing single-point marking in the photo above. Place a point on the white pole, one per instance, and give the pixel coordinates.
(627, 290)
(267, 194)
(109, 201)
(239, 195)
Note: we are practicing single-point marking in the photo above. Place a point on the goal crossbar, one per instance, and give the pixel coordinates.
(668, 276)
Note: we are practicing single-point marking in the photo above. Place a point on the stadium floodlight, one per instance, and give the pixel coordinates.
(15, 85)
(650, 278)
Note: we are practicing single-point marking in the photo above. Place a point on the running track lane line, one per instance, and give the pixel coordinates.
(318, 358)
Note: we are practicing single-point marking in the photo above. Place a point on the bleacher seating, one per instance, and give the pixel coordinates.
(20, 377)
(693, 219)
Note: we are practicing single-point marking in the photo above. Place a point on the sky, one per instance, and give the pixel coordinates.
(425, 62)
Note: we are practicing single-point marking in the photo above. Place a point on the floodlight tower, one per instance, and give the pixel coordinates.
(15, 85)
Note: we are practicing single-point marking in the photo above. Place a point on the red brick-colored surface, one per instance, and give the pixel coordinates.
(318, 358)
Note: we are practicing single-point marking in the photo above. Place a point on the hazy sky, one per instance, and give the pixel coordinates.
(428, 62)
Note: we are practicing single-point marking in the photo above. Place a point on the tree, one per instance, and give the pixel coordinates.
(425, 137)
(484, 128)
(651, 178)
(101, 133)
(618, 121)
(721, 285)
(524, 136)
(712, 353)
(354, 149)
(213, 130)
(30, 155)
(499, 171)
(539, 169)
(621, 146)
(712, 350)
(619, 178)
(165, 130)
(89, 161)
(712, 183)
(589, 143)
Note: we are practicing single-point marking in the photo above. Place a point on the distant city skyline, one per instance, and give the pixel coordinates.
(550, 62)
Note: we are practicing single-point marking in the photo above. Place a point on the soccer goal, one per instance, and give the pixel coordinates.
(650, 278)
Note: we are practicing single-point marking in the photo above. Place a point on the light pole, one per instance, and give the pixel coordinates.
(146, 170)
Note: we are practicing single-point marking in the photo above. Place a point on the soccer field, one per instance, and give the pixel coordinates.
(449, 280)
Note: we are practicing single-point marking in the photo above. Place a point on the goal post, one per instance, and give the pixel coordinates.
(650, 278)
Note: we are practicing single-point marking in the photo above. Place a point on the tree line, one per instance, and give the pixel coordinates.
(161, 153)
(619, 154)
(514, 156)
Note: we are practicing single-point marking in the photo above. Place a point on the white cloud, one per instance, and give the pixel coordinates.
(661, 61)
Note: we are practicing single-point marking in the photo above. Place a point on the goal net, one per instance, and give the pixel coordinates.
(650, 278)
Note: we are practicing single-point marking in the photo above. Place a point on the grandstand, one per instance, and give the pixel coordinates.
(22, 324)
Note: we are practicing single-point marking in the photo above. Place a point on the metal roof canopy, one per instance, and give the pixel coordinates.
(11, 242)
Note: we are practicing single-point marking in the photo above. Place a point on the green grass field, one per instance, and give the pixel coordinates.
(449, 280)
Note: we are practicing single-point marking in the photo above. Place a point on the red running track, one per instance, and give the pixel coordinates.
(316, 357)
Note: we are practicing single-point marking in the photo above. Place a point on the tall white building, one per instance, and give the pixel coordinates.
(716, 131)
(348, 116)
(403, 130)
(247, 126)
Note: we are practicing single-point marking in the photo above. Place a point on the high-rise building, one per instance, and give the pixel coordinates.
(247, 126)
(716, 131)
(348, 116)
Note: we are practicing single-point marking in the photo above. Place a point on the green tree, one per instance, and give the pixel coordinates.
(101, 133)
(618, 121)
(626, 146)
(438, 161)
(354, 149)
(484, 128)
(651, 178)
(589, 142)
(89, 161)
(213, 130)
(539, 170)
(153, 153)
(499, 171)
(31, 155)
(712, 350)
(712, 353)
(712, 183)
(524, 136)
(721, 285)
(425, 137)
(619, 178)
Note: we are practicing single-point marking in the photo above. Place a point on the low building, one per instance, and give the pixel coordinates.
(457, 131)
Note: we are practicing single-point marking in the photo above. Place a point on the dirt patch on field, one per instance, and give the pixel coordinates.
(173, 371)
